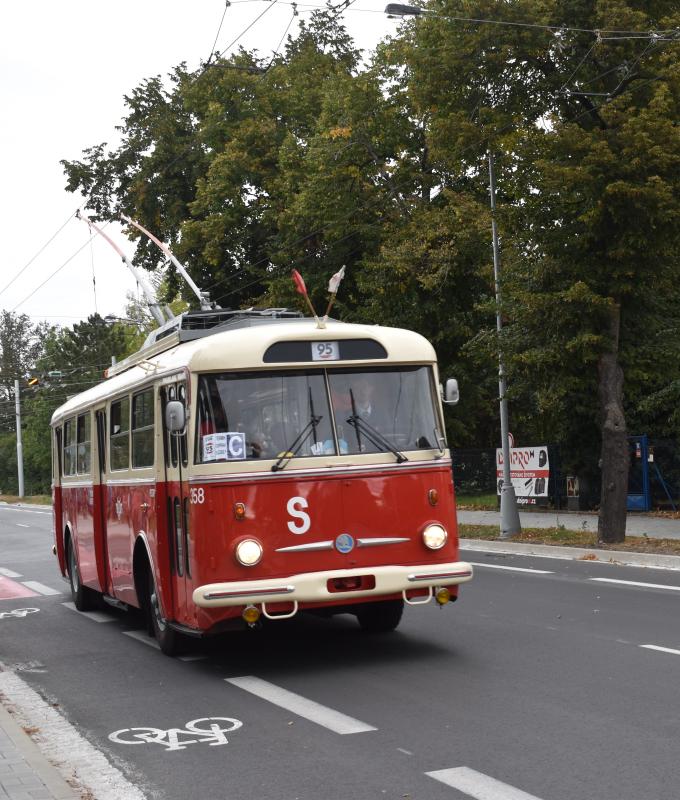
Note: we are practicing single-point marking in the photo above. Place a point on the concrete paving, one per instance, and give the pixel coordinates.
(25, 774)
(636, 524)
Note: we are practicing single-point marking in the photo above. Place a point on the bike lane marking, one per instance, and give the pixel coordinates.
(302, 706)
(10, 589)
(478, 785)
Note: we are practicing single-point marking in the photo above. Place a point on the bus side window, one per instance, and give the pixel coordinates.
(120, 434)
(57, 447)
(172, 395)
(182, 397)
(70, 447)
(83, 444)
(142, 429)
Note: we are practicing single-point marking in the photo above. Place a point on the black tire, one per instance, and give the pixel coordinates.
(382, 617)
(169, 640)
(84, 599)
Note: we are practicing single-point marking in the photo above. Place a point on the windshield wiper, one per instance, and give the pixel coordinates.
(301, 438)
(375, 437)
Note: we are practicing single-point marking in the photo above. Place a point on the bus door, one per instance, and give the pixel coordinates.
(100, 502)
(178, 547)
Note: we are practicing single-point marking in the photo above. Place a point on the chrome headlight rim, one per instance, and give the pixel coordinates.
(248, 552)
(435, 536)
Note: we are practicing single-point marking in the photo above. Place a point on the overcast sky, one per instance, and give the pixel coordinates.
(64, 69)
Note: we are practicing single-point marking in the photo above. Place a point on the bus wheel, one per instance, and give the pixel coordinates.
(380, 617)
(168, 639)
(84, 599)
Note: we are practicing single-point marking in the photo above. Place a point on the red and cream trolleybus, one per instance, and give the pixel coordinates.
(251, 463)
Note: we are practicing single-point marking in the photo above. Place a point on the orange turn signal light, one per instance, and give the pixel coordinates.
(433, 497)
(240, 511)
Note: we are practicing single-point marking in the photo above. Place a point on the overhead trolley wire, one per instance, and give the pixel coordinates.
(27, 265)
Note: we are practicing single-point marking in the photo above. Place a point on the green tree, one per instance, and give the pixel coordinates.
(586, 128)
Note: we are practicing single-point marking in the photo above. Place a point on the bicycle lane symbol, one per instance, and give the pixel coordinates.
(18, 613)
(209, 730)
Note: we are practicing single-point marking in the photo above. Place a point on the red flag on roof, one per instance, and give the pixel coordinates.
(299, 283)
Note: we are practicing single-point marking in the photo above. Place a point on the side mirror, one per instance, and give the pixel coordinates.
(175, 416)
(451, 396)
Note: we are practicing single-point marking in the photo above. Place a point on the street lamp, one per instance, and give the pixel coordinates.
(394, 10)
(510, 524)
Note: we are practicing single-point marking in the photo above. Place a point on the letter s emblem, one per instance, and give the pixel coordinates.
(294, 508)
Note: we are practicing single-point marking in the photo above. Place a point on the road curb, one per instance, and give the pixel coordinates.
(617, 557)
(36, 761)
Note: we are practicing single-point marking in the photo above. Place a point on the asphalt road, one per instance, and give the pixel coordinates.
(542, 683)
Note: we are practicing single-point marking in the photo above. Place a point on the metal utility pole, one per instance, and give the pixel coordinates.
(20, 449)
(510, 524)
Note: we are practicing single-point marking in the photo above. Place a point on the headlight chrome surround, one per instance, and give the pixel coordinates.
(248, 552)
(435, 537)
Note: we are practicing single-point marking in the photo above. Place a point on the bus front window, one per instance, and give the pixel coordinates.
(381, 409)
(259, 415)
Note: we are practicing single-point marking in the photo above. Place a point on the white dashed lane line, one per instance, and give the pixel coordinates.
(95, 616)
(143, 637)
(476, 784)
(639, 584)
(512, 569)
(40, 588)
(21, 525)
(660, 649)
(9, 573)
(302, 706)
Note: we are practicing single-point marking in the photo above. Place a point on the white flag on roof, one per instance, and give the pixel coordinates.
(334, 282)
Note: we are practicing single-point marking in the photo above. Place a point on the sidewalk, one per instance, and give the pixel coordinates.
(636, 524)
(25, 774)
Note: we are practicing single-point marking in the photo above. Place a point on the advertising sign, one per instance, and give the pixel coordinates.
(529, 473)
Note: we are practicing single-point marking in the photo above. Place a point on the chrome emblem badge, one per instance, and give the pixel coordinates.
(344, 543)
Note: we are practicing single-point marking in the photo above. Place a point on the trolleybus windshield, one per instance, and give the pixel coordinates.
(243, 416)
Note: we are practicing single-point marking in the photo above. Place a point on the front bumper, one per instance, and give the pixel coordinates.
(312, 587)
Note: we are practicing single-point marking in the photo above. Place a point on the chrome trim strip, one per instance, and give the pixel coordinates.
(378, 540)
(439, 575)
(306, 548)
(253, 592)
(126, 481)
(327, 472)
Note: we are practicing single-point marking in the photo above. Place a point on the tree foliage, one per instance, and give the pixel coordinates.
(315, 160)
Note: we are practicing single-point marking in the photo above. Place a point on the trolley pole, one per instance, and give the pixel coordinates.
(510, 524)
(20, 449)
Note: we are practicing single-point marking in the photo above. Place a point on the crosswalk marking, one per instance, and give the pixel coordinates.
(40, 588)
(303, 707)
(9, 573)
(95, 616)
(476, 784)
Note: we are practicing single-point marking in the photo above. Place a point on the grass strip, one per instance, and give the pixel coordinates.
(567, 538)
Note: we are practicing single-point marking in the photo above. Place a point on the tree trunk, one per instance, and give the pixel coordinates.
(611, 525)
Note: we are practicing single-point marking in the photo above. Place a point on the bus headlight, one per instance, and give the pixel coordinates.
(434, 537)
(248, 552)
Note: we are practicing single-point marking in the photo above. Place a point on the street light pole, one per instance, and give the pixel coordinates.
(20, 449)
(510, 524)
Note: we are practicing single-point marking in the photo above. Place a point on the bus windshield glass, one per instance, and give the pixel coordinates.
(269, 415)
(260, 415)
(384, 409)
